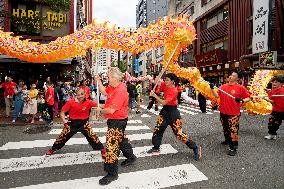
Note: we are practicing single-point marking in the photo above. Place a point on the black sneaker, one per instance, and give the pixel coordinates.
(128, 162)
(232, 152)
(108, 179)
(138, 112)
(154, 151)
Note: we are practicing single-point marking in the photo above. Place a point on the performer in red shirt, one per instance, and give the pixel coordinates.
(79, 109)
(9, 86)
(115, 111)
(230, 109)
(277, 102)
(169, 115)
(49, 98)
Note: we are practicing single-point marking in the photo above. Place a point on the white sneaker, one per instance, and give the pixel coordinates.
(40, 119)
(13, 121)
(270, 137)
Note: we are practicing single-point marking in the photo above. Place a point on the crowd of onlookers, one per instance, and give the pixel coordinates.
(41, 103)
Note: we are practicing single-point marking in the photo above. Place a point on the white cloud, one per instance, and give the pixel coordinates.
(122, 13)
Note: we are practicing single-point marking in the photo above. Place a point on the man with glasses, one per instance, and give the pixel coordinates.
(115, 111)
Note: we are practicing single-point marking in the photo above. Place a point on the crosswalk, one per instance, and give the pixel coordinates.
(185, 110)
(20, 162)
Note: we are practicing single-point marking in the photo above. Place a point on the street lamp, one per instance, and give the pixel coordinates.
(218, 67)
(227, 65)
(237, 64)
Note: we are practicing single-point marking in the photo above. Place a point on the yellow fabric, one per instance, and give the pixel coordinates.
(33, 93)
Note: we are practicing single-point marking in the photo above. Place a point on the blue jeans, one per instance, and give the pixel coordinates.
(131, 103)
(19, 104)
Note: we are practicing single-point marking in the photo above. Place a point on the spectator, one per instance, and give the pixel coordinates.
(8, 86)
(49, 98)
(19, 100)
(31, 107)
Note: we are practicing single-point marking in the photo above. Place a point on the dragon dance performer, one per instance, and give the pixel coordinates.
(230, 109)
(115, 111)
(170, 115)
(277, 114)
(79, 109)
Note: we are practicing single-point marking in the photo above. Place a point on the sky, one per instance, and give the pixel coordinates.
(119, 12)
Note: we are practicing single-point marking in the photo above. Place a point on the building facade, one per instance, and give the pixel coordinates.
(224, 35)
(105, 58)
(41, 23)
(148, 11)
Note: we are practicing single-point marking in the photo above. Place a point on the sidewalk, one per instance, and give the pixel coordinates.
(4, 121)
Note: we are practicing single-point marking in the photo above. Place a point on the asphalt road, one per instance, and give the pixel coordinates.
(258, 164)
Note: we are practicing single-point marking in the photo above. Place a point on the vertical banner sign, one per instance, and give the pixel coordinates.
(260, 26)
(136, 65)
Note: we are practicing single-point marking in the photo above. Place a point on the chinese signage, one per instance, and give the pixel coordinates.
(260, 26)
(50, 20)
(210, 58)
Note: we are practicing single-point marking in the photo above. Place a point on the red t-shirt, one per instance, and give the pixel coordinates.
(78, 110)
(9, 88)
(49, 92)
(87, 91)
(228, 105)
(117, 98)
(170, 94)
(278, 105)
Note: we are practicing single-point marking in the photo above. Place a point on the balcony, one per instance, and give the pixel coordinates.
(215, 32)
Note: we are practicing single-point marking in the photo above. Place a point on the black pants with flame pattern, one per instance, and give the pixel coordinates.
(169, 115)
(75, 126)
(116, 141)
(230, 125)
(274, 122)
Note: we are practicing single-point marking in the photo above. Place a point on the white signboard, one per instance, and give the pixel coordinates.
(260, 26)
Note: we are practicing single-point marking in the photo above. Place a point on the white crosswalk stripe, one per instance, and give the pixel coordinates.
(101, 130)
(185, 109)
(72, 141)
(193, 109)
(33, 162)
(152, 178)
(164, 177)
(101, 121)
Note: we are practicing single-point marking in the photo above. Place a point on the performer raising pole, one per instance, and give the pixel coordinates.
(170, 115)
(276, 98)
(115, 111)
(231, 95)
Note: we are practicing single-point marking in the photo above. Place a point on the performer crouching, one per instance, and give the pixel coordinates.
(79, 109)
(170, 115)
(115, 111)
